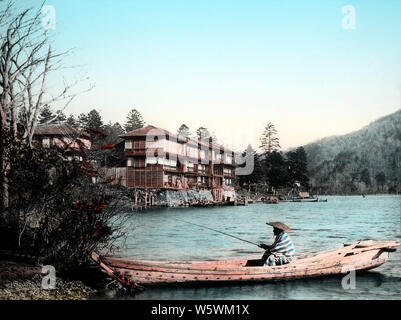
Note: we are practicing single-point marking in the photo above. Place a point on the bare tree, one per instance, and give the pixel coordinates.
(25, 63)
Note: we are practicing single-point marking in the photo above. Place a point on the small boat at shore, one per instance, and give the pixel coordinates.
(302, 200)
(364, 255)
(305, 200)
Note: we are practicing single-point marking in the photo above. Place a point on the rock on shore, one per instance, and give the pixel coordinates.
(179, 197)
(32, 290)
(19, 281)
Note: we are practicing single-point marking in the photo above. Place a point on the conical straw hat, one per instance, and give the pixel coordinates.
(279, 225)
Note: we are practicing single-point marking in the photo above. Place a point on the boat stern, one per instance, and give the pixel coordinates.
(366, 255)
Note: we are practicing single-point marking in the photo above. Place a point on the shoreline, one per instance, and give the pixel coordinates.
(22, 281)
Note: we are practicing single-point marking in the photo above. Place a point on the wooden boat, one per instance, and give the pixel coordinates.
(205, 204)
(301, 200)
(271, 200)
(360, 256)
(305, 200)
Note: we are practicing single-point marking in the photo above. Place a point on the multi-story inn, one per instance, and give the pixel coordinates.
(158, 159)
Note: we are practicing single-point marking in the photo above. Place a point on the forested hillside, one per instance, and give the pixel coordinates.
(368, 160)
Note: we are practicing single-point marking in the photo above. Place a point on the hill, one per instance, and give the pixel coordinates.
(367, 160)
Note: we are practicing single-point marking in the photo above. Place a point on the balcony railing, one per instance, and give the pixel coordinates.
(134, 153)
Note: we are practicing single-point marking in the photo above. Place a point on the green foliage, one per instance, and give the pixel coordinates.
(47, 116)
(257, 175)
(60, 116)
(114, 156)
(365, 177)
(94, 120)
(297, 166)
(82, 121)
(72, 121)
(380, 179)
(356, 159)
(56, 215)
(203, 133)
(184, 131)
(113, 132)
(134, 121)
(274, 168)
(269, 141)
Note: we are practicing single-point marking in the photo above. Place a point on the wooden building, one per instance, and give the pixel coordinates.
(62, 136)
(158, 159)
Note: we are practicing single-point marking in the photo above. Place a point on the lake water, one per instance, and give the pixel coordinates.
(156, 234)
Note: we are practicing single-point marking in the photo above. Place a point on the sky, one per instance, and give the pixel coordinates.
(233, 66)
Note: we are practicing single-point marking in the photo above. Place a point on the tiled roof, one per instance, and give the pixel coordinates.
(142, 132)
(57, 130)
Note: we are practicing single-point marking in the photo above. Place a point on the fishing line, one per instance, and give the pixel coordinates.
(201, 226)
(230, 235)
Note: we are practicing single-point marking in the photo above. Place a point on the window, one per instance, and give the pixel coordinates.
(192, 152)
(228, 182)
(139, 144)
(151, 160)
(167, 162)
(229, 158)
(228, 171)
(201, 168)
(46, 142)
(128, 144)
(190, 166)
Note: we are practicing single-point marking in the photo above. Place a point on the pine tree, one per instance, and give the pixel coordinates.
(202, 133)
(82, 121)
(365, 177)
(118, 129)
(113, 132)
(297, 166)
(94, 120)
(213, 138)
(275, 169)
(380, 179)
(184, 131)
(61, 118)
(72, 121)
(46, 115)
(257, 173)
(134, 121)
(269, 141)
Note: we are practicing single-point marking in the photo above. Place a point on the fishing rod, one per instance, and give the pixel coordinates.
(230, 235)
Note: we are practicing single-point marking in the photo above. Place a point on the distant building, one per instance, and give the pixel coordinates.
(158, 159)
(62, 136)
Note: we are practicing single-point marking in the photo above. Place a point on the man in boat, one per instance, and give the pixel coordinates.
(282, 250)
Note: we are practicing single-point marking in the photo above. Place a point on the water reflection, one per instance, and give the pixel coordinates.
(367, 283)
